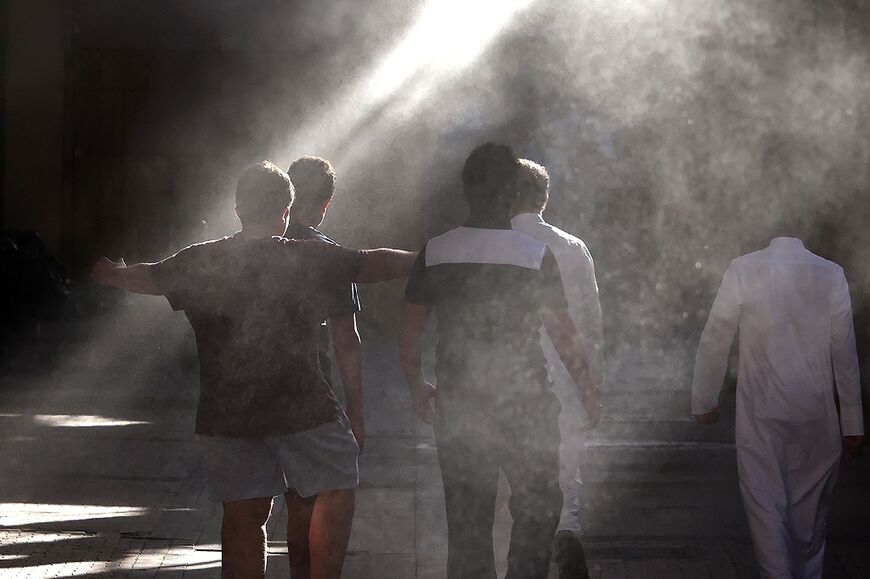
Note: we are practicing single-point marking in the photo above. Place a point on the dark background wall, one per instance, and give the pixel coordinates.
(678, 134)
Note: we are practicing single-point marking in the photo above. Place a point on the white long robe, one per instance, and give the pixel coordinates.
(797, 341)
(581, 291)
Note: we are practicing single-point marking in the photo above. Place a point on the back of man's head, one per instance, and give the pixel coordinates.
(489, 178)
(314, 181)
(533, 185)
(263, 192)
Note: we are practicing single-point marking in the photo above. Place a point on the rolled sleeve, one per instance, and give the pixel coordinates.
(553, 293)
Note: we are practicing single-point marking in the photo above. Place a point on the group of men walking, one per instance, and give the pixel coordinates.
(518, 372)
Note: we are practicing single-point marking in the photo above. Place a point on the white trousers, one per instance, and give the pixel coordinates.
(570, 455)
(787, 475)
(571, 448)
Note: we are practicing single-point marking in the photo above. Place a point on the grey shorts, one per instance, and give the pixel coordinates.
(313, 461)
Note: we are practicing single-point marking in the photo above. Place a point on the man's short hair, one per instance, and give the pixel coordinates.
(314, 181)
(534, 185)
(488, 169)
(263, 192)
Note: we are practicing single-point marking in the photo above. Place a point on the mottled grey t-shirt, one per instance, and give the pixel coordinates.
(256, 306)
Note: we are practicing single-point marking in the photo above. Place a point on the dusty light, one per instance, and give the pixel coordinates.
(82, 420)
(24, 514)
(447, 36)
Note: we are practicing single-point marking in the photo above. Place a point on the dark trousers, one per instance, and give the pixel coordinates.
(474, 442)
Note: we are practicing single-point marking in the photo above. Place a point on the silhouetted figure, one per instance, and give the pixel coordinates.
(490, 288)
(794, 317)
(268, 419)
(313, 179)
(581, 409)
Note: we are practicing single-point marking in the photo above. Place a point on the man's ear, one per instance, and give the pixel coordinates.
(326, 205)
(285, 215)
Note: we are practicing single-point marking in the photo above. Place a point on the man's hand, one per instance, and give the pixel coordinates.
(422, 396)
(103, 270)
(709, 418)
(852, 446)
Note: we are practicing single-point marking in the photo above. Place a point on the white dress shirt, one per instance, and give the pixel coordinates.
(797, 339)
(581, 291)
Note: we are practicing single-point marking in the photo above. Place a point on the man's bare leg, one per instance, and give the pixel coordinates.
(299, 511)
(243, 538)
(330, 532)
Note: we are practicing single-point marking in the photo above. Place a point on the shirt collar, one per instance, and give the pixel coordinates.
(300, 231)
(787, 243)
(527, 219)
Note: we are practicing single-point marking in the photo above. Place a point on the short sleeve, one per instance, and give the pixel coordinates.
(334, 266)
(417, 291)
(176, 276)
(552, 290)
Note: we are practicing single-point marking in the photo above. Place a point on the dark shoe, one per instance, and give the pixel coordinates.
(569, 556)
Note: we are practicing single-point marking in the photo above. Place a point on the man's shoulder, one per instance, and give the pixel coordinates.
(202, 248)
(561, 237)
(308, 233)
(804, 256)
(553, 236)
(471, 245)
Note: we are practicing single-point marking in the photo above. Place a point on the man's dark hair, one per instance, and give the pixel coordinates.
(489, 172)
(262, 193)
(314, 181)
(533, 185)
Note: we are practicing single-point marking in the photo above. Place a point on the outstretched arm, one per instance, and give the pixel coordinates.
(384, 264)
(569, 345)
(411, 356)
(137, 278)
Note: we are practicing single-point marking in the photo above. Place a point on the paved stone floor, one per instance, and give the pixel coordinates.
(100, 475)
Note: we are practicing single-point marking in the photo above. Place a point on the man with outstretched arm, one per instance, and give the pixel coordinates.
(267, 418)
(798, 363)
(314, 180)
(579, 402)
(491, 288)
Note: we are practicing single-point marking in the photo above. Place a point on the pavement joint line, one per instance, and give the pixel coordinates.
(670, 444)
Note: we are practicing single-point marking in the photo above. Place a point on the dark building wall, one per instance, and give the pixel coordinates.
(3, 39)
(34, 118)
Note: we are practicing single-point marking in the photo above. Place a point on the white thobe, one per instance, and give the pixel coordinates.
(797, 340)
(581, 291)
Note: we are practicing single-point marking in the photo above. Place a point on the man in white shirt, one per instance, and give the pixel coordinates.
(580, 406)
(794, 314)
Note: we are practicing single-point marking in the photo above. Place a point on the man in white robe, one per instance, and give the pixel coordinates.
(580, 407)
(797, 341)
